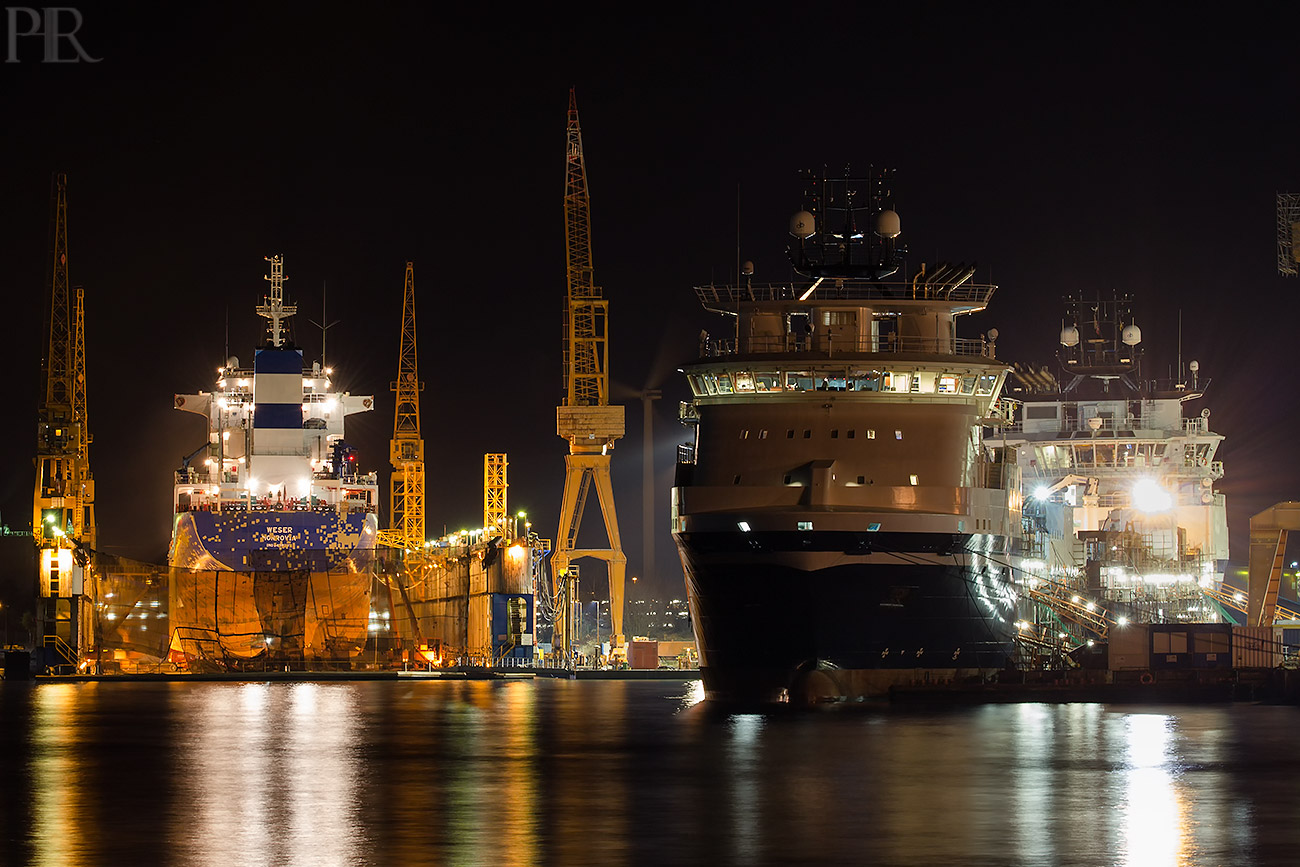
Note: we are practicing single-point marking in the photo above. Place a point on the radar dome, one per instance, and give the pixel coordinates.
(888, 224)
(1194, 365)
(232, 361)
(802, 225)
(1069, 336)
(747, 269)
(993, 334)
(1132, 335)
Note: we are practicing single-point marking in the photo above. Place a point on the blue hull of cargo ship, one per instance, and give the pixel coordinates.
(274, 541)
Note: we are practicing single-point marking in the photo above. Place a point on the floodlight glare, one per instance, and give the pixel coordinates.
(1149, 496)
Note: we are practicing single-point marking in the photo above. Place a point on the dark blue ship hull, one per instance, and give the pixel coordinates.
(782, 616)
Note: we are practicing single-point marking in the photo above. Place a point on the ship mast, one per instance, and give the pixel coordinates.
(273, 306)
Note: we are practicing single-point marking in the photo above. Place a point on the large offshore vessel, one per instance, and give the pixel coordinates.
(842, 523)
(274, 531)
(1120, 474)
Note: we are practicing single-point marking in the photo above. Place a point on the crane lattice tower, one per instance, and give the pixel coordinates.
(586, 420)
(406, 448)
(63, 523)
(496, 515)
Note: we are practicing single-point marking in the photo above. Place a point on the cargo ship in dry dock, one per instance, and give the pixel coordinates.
(274, 527)
(842, 523)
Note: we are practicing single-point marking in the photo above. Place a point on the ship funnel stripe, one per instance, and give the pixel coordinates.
(278, 361)
(270, 416)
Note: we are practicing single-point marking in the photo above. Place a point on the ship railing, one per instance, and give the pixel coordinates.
(194, 477)
(1109, 427)
(832, 345)
(968, 293)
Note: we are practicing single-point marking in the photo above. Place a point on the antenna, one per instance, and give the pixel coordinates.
(1180, 344)
(323, 328)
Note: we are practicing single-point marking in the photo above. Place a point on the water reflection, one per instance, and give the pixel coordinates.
(268, 774)
(523, 773)
(1154, 812)
(57, 809)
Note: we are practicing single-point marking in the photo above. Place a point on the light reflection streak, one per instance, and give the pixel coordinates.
(1154, 830)
(743, 750)
(694, 695)
(268, 775)
(56, 833)
(1031, 780)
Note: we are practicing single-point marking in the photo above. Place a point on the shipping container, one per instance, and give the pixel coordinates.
(1130, 647)
(643, 654)
(1191, 646)
(1256, 647)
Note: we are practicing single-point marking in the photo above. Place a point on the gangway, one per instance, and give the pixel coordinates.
(1067, 604)
(1226, 594)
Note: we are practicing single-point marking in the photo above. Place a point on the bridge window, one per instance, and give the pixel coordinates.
(799, 381)
(744, 381)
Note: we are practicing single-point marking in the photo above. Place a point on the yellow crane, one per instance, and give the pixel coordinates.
(585, 419)
(63, 523)
(406, 448)
(406, 454)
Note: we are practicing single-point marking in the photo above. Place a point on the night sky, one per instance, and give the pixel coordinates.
(1134, 148)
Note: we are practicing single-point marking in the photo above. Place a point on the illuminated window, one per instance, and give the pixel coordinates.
(805, 525)
(898, 434)
(912, 478)
(871, 434)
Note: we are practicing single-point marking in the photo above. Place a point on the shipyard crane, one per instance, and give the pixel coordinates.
(406, 448)
(406, 454)
(585, 419)
(63, 523)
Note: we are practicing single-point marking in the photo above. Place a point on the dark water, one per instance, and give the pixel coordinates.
(563, 772)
